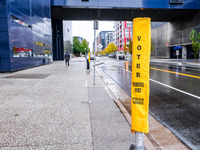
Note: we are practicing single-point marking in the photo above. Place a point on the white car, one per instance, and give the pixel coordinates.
(91, 56)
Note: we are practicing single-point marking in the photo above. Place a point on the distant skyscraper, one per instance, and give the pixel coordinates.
(108, 38)
(100, 41)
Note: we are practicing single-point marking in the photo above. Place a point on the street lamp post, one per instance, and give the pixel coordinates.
(95, 28)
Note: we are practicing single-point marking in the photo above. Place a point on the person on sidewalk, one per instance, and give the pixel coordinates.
(67, 57)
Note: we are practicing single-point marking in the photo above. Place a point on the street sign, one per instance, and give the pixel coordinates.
(95, 25)
(100, 46)
(177, 52)
(140, 74)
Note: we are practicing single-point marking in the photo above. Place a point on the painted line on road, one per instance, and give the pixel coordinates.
(169, 86)
(183, 74)
(175, 89)
(125, 70)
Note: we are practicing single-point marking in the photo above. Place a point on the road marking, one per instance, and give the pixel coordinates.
(169, 86)
(176, 73)
(126, 70)
(175, 89)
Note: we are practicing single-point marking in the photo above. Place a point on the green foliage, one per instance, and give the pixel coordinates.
(195, 38)
(103, 52)
(84, 47)
(125, 49)
(80, 47)
(76, 46)
(111, 48)
(130, 47)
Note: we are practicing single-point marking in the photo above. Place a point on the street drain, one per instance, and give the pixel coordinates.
(29, 76)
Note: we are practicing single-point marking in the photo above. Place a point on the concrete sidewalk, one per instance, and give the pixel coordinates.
(55, 107)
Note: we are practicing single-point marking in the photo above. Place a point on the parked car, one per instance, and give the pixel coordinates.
(121, 56)
(111, 55)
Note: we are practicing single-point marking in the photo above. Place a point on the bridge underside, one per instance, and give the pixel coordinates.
(115, 14)
(60, 13)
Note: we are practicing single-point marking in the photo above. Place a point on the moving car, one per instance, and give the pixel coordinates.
(91, 56)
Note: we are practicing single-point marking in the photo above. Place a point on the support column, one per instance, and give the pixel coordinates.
(58, 47)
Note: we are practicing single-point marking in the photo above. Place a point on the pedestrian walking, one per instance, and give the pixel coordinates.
(67, 57)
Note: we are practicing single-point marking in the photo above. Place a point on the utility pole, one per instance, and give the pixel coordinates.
(95, 28)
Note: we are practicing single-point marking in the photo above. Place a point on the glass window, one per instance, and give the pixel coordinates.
(126, 32)
(127, 41)
(129, 24)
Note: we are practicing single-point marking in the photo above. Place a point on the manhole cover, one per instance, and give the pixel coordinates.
(29, 76)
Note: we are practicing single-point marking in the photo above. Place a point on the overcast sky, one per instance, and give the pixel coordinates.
(85, 29)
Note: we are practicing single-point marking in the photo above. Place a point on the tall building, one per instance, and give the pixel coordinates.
(100, 41)
(122, 34)
(26, 35)
(170, 37)
(108, 38)
(67, 34)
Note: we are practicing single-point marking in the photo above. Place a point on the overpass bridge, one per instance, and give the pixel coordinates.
(26, 26)
(157, 10)
(114, 10)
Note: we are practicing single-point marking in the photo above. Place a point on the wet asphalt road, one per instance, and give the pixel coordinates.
(174, 98)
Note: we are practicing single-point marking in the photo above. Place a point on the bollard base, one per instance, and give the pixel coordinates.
(88, 71)
(132, 147)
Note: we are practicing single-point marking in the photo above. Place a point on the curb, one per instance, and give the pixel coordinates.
(159, 136)
(148, 144)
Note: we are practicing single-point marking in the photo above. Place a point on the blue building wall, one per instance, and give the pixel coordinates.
(26, 28)
(188, 4)
(4, 44)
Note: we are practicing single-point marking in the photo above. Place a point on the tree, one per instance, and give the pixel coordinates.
(152, 45)
(195, 38)
(84, 47)
(76, 46)
(111, 48)
(125, 49)
(130, 46)
(104, 52)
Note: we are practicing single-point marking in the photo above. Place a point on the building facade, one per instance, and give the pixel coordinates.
(168, 38)
(100, 43)
(108, 38)
(67, 34)
(122, 34)
(25, 29)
